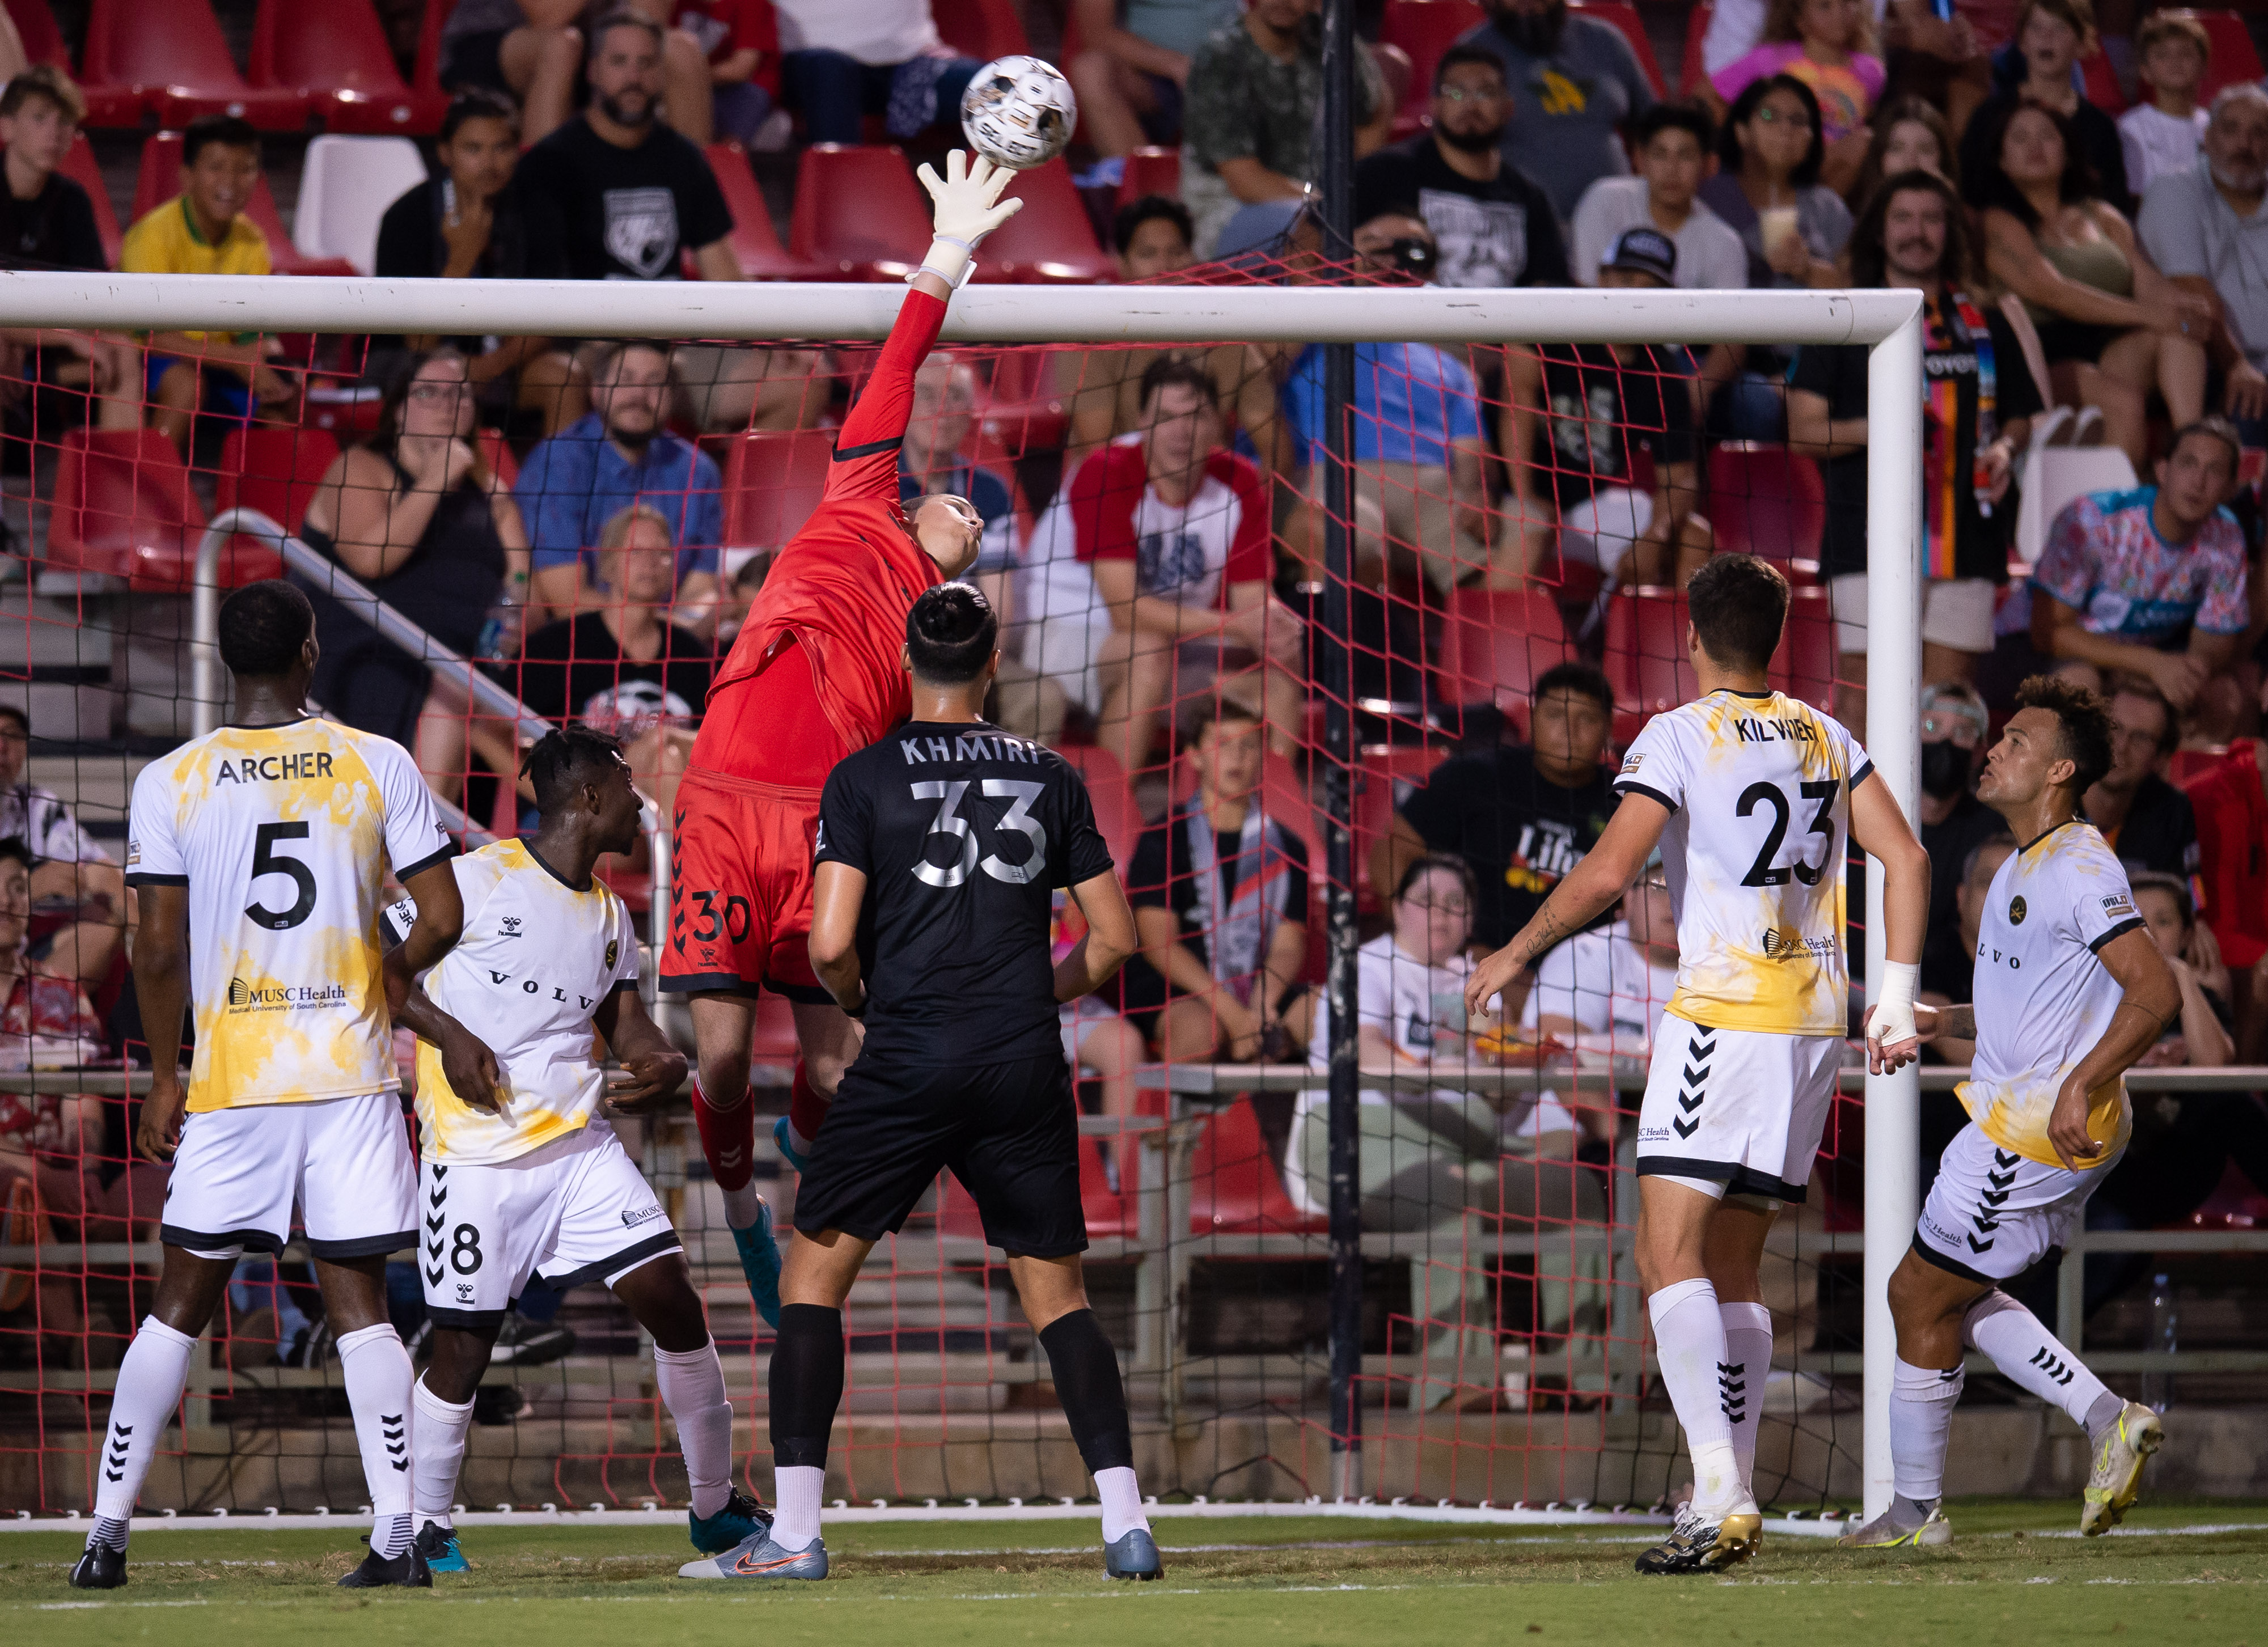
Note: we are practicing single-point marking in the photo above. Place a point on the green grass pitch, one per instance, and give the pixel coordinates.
(2193, 1572)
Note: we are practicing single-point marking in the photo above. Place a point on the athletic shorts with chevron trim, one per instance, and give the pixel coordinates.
(1739, 1109)
(1992, 1213)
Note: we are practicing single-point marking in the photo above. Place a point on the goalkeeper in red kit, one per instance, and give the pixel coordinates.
(817, 674)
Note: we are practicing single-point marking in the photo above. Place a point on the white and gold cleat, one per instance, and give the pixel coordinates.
(2116, 1481)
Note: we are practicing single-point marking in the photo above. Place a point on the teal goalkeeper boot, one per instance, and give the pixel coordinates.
(440, 1547)
(740, 1519)
(760, 1265)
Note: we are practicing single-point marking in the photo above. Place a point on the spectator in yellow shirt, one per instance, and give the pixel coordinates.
(201, 231)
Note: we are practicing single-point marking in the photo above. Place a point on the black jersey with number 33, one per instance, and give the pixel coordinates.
(963, 834)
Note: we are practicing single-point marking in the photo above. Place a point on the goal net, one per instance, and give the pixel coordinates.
(578, 538)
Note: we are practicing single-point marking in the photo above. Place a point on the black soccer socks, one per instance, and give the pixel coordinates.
(806, 1384)
(1085, 1372)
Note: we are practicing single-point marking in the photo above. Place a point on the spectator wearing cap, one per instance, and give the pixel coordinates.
(1978, 398)
(1254, 94)
(1576, 86)
(2148, 822)
(1954, 730)
(1600, 405)
(1493, 226)
(2204, 229)
(2152, 581)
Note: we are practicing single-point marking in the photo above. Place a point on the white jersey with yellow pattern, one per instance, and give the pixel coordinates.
(283, 835)
(2043, 997)
(1759, 786)
(537, 959)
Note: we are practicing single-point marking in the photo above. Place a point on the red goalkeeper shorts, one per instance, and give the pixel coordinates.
(740, 897)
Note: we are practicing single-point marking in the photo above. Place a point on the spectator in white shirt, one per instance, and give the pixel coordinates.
(1603, 990)
(2206, 231)
(842, 60)
(74, 875)
(2161, 135)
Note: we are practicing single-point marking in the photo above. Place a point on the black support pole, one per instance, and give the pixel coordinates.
(1336, 175)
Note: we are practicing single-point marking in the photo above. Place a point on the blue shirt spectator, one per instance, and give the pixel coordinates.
(1411, 402)
(617, 455)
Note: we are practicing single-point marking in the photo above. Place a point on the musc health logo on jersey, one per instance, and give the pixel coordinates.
(273, 996)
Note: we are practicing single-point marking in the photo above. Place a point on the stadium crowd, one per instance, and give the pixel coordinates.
(566, 510)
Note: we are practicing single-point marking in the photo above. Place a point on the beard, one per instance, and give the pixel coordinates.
(614, 109)
(2247, 182)
(1470, 141)
(1536, 34)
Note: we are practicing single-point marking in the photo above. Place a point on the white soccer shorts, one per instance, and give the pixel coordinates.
(577, 1209)
(1740, 1111)
(1992, 1214)
(345, 1161)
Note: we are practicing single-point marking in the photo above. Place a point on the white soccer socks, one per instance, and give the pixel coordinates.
(692, 1383)
(377, 1379)
(1747, 1364)
(796, 1488)
(2029, 1355)
(438, 1441)
(1689, 1336)
(1922, 1400)
(1121, 1502)
(150, 1384)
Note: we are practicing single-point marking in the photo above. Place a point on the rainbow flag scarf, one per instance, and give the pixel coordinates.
(1945, 472)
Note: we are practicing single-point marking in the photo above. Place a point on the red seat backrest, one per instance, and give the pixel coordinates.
(334, 46)
(157, 43)
(36, 27)
(754, 240)
(1805, 665)
(1152, 172)
(773, 481)
(1624, 16)
(1645, 656)
(1694, 69)
(1383, 778)
(982, 29)
(2232, 59)
(773, 1040)
(1051, 240)
(122, 505)
(1114, 812)
(859, 210)
(274, 470)
(426, 73)
(1495, 642)
(79, 165)
(1424, 29)
(1766, 500)
(2102, 80)
(1236, 1183)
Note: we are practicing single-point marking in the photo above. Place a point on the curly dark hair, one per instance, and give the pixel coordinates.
(1729, 153)
(2085, 720)
(1870, 257)
(1990, 186)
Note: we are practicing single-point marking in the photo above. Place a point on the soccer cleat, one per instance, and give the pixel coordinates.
(438, 1546)
(789, 1153)
(759, 1263)
(2116, 1481)
(405, 1571)
(740, 1519)
(756, 1557)
(521, 1342)
(99, 1566)
(1698, 1546)
(1134, 1555)
(1882, 1533)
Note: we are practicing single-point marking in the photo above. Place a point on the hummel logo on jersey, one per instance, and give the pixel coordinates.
(114, 1462)
(1732, 1389)
(512, 926)
(464, 1292)
(397, 1438)
(1698, 1050)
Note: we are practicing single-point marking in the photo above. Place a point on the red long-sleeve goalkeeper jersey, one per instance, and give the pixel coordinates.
(841, 589)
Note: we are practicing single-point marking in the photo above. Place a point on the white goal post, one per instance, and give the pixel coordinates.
(1887, 322)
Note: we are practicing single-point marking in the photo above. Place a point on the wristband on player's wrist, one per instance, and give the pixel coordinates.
(951, 259)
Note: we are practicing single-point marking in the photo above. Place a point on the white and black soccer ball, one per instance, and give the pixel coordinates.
(1018, 112)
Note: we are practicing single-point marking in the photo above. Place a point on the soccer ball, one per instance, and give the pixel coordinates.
(1018, 112)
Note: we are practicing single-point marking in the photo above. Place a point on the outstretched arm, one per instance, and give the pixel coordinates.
(1582, 894)
(969, 208)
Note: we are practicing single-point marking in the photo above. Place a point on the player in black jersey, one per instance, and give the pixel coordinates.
(940, 850)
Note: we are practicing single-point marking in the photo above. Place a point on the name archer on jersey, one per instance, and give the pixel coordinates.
(296, 767)
(968, 746)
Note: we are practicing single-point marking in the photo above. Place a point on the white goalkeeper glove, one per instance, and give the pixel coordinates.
(1893, 1018)
(968, 207)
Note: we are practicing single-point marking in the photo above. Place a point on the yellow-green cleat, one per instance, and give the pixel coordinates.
(2116, 1481)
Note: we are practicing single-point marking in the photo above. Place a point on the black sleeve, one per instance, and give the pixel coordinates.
(1974, 137)
(405, 238)
(1819, 370)
(1085, 853)
(2106, 153)
(543, 210)
(1436, 808)
(1146, 882)
(540, 679)
(1547, 247)
(845, 822)
(78, 242)
(1295, 888)
(692, 666)
(2016, 394)
(1385, 182)
(703, 217)
(1680, 442)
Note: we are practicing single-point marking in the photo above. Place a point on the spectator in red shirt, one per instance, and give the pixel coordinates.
(1151, 572)
(742, 38)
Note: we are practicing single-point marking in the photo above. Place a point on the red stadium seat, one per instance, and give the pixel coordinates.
(497, 451)
(773, 480)
(1624, 16)
(1236, 1183)
(1050, 242)
(2102, 88)
(79, 165)
(335, 55)
(1152, 172)
(160, 179)
(772, 1042)
(858, 212)
(1114, 812)
(2233, 58)
(983, 29)
(426, 72)
(1495, 642)
(754, 240)
(1765, 500)
(1646, 657)
(171, 57)
(43, 41)
(1424, 29)
(273, 470)
(122, 507)
(1694, 69)
(1383, 778)
(1804, 666)
(1021, 409)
